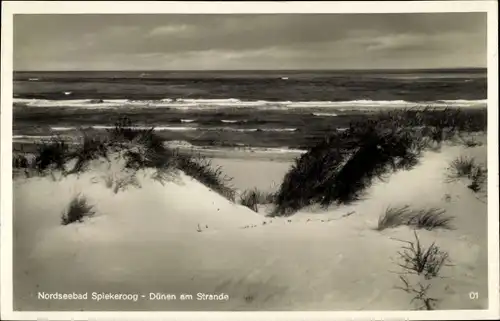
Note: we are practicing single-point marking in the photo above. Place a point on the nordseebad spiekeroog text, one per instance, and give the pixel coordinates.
(157, 296)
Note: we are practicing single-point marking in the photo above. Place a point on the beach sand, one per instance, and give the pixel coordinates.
(181, 237)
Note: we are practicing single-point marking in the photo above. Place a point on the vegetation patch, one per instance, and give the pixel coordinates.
(254, 197)
(429, 218)
(425, 263)
(78, 209)
(141, 148)
(201, 169)
(341, 167)
(468, 168)
(51, 154)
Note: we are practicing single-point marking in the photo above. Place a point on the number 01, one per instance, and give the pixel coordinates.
(473, 295)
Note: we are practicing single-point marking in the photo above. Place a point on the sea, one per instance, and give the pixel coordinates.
(277, 110)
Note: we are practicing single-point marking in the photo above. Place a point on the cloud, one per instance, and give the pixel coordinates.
(249, 41)
(395, 42)
(169, 30)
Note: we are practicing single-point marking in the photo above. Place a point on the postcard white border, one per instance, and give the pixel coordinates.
(138, 7)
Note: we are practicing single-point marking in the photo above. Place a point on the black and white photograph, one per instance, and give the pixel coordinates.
(266, 160)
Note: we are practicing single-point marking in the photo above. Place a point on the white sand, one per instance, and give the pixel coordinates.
(264, 174)
(145, 240)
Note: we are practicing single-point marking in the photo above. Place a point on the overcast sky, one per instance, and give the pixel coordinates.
(215, 42)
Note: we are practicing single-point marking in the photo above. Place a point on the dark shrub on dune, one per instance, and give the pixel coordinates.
(304, 183)
(339, 168)
(77, 210)
(376, 154)
(51, 154)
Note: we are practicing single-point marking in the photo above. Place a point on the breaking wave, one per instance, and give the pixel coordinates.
(174, 128)
(236, 103)
(171, 144)
(325, 114)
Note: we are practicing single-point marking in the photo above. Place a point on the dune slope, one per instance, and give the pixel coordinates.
(180, 237)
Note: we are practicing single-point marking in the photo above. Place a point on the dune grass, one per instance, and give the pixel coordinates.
(91, 147)
(201, 169)
(51, 153)
(339, 170)
(125, 130)
(462, 166)
(20, 161)
(416, 259)
(341, 167)
(254, 197)
(468, 168)
(78, 209)
(470, 141)
(420, 294)
(421, 260)
(145, 149)
(141, 149)
(428, 218)
(250, 199)
(393, 217)
(478, 179)
(123, 182)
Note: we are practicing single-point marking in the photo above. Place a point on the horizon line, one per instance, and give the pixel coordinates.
(247, 70)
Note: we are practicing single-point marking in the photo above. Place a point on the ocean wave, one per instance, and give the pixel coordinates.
(157, 128)
(236, 103)
(279, 129)
(231, 121)
(172, 144)
(103, 127)
(62, 129)
(325, 114)
(41, 138)
(174, 128)
(250, 130)
(274, 150)
(271, 150)
(33, 137)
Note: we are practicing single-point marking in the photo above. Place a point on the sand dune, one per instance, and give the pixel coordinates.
(181, 237)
